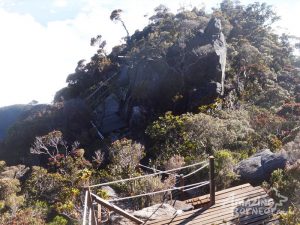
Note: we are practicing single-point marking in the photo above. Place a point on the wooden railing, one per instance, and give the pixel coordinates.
(90, 216)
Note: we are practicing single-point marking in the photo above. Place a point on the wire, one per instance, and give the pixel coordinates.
(148, 175)
(200, 185)
(154, 170)
(157, 192)
(185, 176)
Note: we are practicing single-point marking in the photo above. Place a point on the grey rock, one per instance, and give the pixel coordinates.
(108, 118)
(156, 212)
(137, 117)
(111, 104)
(116, 219)
(180, 205)
(259, 167)
(110, 192)
(14, 172)
(111, 123)
(124, 78)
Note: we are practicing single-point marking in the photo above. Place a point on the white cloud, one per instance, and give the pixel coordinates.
(36, 59)
(60, 3)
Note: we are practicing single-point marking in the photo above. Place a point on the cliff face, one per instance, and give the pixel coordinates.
(193, 71)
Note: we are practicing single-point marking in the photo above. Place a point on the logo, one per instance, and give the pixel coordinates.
(257, 205)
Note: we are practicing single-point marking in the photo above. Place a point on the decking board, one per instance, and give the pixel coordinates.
(223, 212)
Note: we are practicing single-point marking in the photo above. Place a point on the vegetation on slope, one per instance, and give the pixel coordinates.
(259, 109)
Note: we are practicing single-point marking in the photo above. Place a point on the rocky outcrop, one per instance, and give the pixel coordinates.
(108, 114)
(14, 172)
(193, 68)
(155, 212)
(259, 167)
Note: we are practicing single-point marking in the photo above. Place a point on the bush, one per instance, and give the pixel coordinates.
(291, 217)
(125, 157)
(58, 220)
(224, 168)
(287, 183)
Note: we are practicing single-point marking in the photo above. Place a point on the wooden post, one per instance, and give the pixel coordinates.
(116, 209)
(212, 186)
(93, 219)
(85, 207)
(99, 217)
(181, 184)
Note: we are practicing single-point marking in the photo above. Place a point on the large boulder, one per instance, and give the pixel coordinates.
(108, 116)
(259, 167)
(194, 65)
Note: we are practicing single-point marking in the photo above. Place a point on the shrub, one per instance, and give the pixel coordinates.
(125, 157)
(291, 217)
(58, 220)
(286, 182)
(224, 168)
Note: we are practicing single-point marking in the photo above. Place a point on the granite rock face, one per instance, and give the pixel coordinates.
(193, 68)
(259, 167)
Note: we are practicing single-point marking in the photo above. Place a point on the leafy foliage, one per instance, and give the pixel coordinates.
(259, 109)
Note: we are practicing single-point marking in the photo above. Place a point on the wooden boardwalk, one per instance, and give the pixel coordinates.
(231, 207)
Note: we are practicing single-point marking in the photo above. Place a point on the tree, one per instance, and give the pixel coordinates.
(116, 16)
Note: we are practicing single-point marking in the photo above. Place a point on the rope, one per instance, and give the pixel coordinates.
(154, 170)
(148, 175)
(190, 174)
(200, 185)
(157, 192)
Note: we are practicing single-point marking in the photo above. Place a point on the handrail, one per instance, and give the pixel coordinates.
(85, 207)
(190, 174)
(203, 183)
(144, 176)
(207, 182)
(153, 169)
(116, 209)
(89, 197)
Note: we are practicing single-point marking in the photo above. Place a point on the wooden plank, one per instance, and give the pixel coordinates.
(215, 210)
(237, 195)
(220, 192)
(218, 219)
(253, 219)
(229, 218)
(220, 198)
(266, 222)
(116, 209)
(223, 210)
(225, 195)
(228, 202)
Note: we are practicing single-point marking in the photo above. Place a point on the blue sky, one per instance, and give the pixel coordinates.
(41, 41)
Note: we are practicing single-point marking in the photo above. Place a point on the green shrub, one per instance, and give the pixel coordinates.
(224, 165)
(291, 217)
(58, 220)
